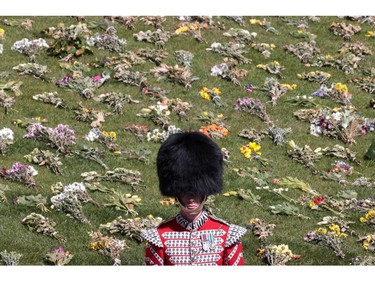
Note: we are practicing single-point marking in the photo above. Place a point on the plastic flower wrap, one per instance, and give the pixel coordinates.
(6, 139)
(287, 209)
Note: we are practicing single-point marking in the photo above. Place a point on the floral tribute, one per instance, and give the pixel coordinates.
(21, 173)
(213, 95)
(330, 237)
(60, 137)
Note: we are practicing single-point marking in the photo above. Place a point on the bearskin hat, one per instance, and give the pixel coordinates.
(189, 163)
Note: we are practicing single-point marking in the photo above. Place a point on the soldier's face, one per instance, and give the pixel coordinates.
(191, 201)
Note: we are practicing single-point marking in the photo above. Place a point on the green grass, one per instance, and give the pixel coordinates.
(289, 230)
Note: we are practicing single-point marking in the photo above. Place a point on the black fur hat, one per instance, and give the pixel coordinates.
(189, 163)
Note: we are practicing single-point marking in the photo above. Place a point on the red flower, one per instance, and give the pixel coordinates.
(319, 200)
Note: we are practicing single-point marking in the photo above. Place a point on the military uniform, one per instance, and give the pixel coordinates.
(206, 241)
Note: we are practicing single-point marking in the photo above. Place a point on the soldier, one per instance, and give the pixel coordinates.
(190, 168)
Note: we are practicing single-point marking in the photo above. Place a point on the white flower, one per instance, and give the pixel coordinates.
(32, 171)
(6, 134)
(93, 134)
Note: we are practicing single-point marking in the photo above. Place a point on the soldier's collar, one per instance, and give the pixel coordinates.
(196, 224)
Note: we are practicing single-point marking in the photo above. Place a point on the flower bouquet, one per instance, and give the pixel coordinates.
(213, 95)
(20, 173)
(339, 172)
(276, 254)
(107, 246)
(60, 137)
(58, 256)
(330, 237)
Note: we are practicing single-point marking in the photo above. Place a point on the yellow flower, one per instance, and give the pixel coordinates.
(204, 113)
(341, 87)
(226, 194)
(362, 219)
(220, 115)
(365, 245)
(335, 228)
(113, 135)
(216, 90)
(255, 21)
(205, 95)
(328, 57)
(117, 152)
(322, 230)
(182, 29)
(193, 26)
(253, 220)
(232, 192)
(254, 146)
(369, 33)
(312, 204)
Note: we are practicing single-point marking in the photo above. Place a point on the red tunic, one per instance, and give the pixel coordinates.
(206, 241)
